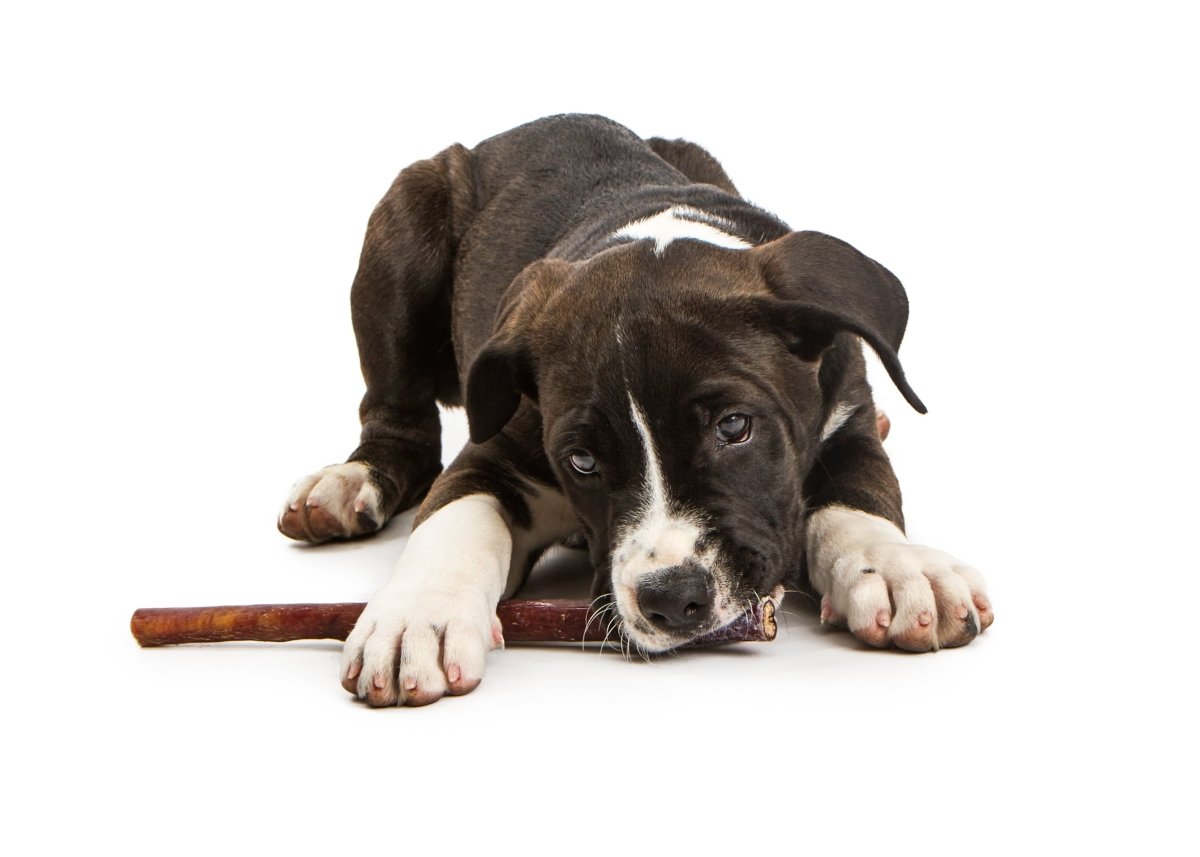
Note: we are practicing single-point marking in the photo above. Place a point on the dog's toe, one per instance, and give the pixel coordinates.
(986, 617)
(869, 609)
(412, 647)
(908, 596)
(919, 635)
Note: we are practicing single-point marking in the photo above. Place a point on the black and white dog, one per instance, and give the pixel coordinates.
(648, 362)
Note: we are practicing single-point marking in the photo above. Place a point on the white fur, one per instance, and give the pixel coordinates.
(837, 418)
(442, 596)
(658, 538)
(661, 538)
(884, 586)
(553, 520)
(342, 489)
(441, 599)
(682, 221)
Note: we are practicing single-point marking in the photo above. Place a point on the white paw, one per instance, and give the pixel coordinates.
(889, 591)
(339, 501)
(426, 633)
(412, 647)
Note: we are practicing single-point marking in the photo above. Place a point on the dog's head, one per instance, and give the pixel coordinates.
(682, 407)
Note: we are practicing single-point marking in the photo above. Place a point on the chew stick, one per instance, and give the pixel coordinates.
(523, 622)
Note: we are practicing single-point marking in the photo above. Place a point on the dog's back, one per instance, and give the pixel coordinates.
(573, 181)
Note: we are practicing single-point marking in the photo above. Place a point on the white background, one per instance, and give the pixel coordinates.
(183, 198)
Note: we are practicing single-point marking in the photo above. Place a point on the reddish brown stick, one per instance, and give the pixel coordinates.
(523, 622)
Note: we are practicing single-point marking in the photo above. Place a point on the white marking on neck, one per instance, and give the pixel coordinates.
(682, 221)
(837, 419)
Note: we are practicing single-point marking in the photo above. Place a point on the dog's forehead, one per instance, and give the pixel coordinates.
(630, 304)
(630, 278)
(659, 329)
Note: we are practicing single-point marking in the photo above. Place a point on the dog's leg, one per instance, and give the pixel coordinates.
(425, 634)
(887, 590)
(693, 161)
(400, 303)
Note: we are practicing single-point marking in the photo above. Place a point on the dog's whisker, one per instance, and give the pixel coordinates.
(614, 623)
(801, 593)
(597, 616)
(786, 615)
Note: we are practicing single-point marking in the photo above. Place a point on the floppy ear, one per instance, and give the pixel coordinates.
(505, 368)
(824, 286)
(500, 375)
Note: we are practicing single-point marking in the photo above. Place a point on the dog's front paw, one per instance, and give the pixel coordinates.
(889, 591)
(338, 502)
(412, 647)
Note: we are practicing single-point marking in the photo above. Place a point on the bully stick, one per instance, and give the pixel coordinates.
(523, 622)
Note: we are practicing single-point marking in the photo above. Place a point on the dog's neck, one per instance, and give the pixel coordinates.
(681, 221)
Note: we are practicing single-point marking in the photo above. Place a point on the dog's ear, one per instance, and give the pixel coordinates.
(506, 367)
(823, 286)
(500, 375)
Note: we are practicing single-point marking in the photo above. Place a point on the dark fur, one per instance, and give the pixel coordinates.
(488, 277)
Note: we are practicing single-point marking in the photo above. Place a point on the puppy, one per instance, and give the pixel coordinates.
(650, 364)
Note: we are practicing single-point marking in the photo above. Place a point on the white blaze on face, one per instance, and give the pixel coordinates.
(657, 538)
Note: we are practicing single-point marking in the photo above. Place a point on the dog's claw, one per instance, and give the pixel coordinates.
(986, 617)
(829, 616)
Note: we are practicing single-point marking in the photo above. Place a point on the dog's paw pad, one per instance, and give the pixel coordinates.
(338, 502)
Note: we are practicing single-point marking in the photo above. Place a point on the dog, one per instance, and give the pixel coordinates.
(650, 365)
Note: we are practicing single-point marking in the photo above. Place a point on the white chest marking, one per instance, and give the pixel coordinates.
(837, 419)
(682, 221)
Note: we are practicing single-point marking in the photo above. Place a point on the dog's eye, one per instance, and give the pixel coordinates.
(583, 462)
(734, 428)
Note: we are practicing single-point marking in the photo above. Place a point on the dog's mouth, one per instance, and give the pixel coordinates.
(637, 631)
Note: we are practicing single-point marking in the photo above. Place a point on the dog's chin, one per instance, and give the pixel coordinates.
(652, 642)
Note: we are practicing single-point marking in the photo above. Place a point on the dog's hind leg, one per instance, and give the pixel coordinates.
(693, 161)
(400, 303)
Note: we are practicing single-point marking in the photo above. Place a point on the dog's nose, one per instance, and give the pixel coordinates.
(676, 599)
